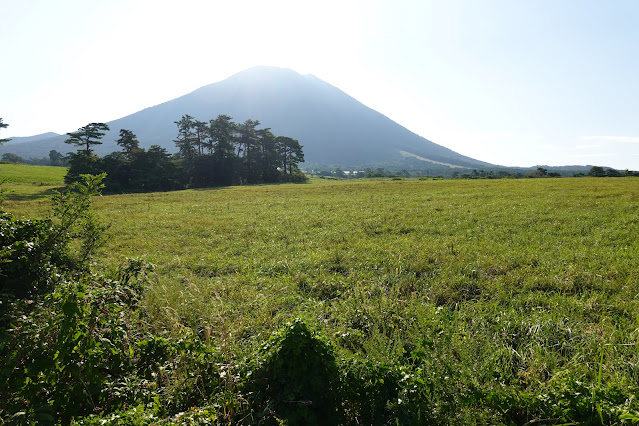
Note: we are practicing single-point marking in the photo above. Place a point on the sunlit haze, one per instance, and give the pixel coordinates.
(517, 83)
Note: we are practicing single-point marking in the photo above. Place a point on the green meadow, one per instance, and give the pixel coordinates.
(31, 182)
(482, 301)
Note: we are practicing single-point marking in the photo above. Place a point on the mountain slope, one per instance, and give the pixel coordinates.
(28, 139)
(333, 127)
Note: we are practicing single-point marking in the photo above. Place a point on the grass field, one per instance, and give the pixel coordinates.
(31, 182)
(518, 288)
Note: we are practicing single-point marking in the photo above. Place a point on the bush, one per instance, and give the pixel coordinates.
(70, 356)
(76, 352)
(65, 339)
(36, 253)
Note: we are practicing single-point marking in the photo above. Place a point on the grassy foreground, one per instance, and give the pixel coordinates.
(489, 301)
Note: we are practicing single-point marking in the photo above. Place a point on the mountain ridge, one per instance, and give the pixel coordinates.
(332, 126)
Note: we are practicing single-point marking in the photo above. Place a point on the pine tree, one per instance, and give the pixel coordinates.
(222, 135)
(270, 157)
(2, 126)
(201, 136)
(129, 142)
(291, 153)
(222, 131)
(249, 146)
(186, 138)
(87, 136)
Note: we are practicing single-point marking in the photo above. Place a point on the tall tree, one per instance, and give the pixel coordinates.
(222, 135)
(155, 170)
(246, 137)
(9, 157)
(597, 171)
(222, 131)
(201, 136)
(291, 153)
(249, 146)
(87, 136)
(57, 159)
(2, 126)
(129, 142)
(186, 138)
(270, 157)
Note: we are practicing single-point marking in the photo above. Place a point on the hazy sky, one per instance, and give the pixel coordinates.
(511, 82)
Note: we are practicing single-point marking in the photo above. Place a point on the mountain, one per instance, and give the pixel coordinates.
(333, 127)
(26, 139)
(37, 146)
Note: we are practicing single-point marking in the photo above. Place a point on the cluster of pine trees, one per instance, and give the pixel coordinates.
(219, 152)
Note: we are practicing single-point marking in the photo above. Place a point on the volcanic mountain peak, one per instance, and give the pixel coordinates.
(333, 127)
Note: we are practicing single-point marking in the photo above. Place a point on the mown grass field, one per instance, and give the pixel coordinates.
(518, 288)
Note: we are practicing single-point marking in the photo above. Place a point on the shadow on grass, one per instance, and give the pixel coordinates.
(14, 195)
(36, 195)
(206, 188)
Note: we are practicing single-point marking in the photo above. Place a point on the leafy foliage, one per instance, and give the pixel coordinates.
(9, 157)
(82, 163)
(36, 253)
(67, 358)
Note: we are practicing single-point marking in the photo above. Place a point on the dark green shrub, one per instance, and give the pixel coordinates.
(83, 163)
(185, 373)
(29, 257)
(71, 354)
(75, 352)
(296, 176)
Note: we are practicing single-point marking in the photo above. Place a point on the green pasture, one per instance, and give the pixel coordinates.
(31, 182)
(517, 287)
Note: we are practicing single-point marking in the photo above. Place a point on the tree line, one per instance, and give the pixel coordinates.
(54, 158)
(217, 152)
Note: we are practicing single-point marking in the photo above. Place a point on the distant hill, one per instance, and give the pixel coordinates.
(333, 127)
(28, 139)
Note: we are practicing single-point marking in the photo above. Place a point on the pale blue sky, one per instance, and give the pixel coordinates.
(517, 82)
